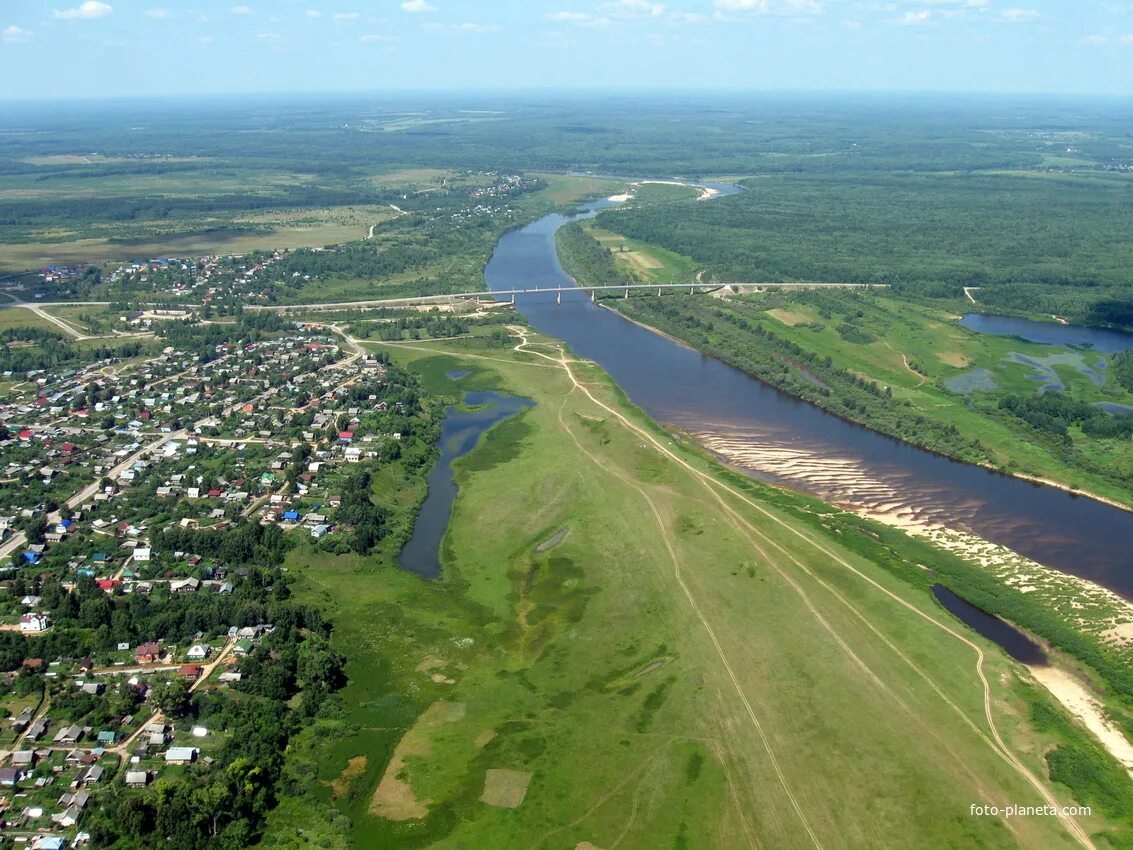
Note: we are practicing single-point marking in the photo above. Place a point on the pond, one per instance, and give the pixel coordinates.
(1049, 333)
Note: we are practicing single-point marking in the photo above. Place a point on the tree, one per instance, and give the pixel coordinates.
(171, 697)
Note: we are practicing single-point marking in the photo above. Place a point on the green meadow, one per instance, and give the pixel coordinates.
(632, 647)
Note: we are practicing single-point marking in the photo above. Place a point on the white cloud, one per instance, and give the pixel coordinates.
(314, 13)
(85, 10)
(371, 38)
(243, 10)
(417, 6)
(634, 8)
(347, 16)
(579, 19)
(1019, 16)
(14, 35)
(269, 36)
(472, 27)
(913, 19)
(1093, 40)
(158, 14)
(1126, 39)
(786, 8)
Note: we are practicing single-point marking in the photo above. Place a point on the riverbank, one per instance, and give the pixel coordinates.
(877, 387)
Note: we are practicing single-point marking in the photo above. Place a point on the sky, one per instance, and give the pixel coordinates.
(145, 48)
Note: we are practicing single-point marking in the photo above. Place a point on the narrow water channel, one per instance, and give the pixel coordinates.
(460, 432)
(781, 439)
(1014, 642)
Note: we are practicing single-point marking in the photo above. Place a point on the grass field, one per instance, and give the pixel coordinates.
(303, 228)
(569, 188)
(18, 317)
(642, 262)
(658, 654)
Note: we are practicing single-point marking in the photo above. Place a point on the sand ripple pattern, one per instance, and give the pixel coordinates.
(891, 497)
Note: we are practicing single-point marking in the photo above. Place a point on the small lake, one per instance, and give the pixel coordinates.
(460, 432)
(1010, 639)
(1049, 333)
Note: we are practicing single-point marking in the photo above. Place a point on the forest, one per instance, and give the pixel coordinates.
(1052, 239)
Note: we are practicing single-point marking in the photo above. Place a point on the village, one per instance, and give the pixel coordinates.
(134, 489)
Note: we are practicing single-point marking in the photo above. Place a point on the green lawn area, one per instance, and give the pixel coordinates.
(663, 651)
(20, 317)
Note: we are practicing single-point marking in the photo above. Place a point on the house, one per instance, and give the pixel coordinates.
(137, 778)
(181, 755)
(89, 775)
(143, 553)
(37, 730)
(21, 721)
(34, 623)
(148, 652)
(24, 758)
(94, 689)
(190, 671)
(9, 776)
(320, 531)
(68, 735)
(74, 805)
(243, 647)
(48, 842)
(199, 652)
(107, 738)
(188, 585)
(31, 601)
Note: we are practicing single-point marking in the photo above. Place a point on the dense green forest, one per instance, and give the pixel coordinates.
(1058, 238)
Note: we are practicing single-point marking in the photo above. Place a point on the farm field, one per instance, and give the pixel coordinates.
(630, 643)
(261, 231)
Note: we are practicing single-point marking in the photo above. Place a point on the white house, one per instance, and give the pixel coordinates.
(143, 553)
(199, 652)
(35, 622)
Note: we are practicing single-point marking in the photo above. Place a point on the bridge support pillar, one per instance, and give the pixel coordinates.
(593, 295)
(513, 299)
(658, 292)
(690, 290)
(626, 293)
(559, 297)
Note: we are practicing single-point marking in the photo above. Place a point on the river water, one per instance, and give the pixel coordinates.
(460, 432)
(783, 440)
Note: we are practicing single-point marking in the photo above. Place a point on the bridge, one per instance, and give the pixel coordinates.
(625, 289)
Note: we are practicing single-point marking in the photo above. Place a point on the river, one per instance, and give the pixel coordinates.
(784, 440)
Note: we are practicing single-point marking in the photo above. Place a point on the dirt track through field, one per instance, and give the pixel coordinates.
(715, 487)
